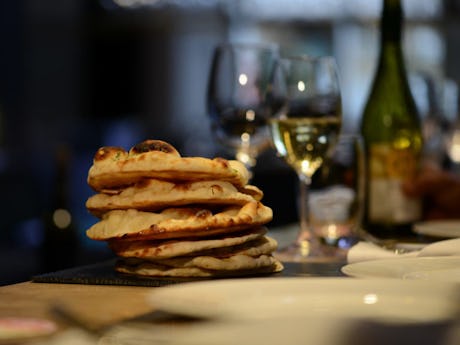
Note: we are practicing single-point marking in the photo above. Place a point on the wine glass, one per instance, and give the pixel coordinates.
(452, 143)
(237, 98)
(304, 130)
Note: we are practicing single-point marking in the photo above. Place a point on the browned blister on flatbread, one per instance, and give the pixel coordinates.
(114, 168)
(155, 146)
(153, 195)
(178, 222)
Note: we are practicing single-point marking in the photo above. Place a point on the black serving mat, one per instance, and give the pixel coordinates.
(104, 273)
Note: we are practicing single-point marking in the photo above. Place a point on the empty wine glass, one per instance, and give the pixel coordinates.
(304, 130)
(237, 98)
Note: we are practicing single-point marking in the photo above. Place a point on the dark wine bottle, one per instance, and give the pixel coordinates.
(60, 243)
(392, 136)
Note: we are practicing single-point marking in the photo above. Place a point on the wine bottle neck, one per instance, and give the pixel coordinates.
(391, 22)
(391, 55)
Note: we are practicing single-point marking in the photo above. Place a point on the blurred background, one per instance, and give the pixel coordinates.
(79, 74)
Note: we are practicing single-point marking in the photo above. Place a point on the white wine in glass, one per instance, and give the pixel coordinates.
(237, 98)
(304, 131)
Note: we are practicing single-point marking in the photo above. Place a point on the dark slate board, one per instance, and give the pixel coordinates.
(103, 273)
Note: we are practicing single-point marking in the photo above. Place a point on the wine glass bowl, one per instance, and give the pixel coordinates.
(237, 98)
(304, 130)
(311, 117)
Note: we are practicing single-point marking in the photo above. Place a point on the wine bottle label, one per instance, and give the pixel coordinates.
(388, 168)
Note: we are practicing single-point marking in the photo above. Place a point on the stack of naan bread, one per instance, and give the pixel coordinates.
(170, 216)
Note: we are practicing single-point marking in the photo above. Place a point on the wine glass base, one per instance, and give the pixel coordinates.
(305, 252)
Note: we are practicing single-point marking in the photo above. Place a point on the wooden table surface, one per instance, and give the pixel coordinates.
(99, 305)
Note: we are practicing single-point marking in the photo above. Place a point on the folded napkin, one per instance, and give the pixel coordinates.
(365, 251)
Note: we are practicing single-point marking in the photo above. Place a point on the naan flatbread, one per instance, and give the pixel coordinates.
(235, 266)
(164, 249)
(114, 168)
(178, 222)
(153, 195)
(165, 215)
(232, 263)
(262, 246)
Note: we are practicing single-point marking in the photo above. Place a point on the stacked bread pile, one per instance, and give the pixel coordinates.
(167, 215)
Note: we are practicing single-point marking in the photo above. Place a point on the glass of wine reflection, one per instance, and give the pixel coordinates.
(304, 132)
(237, 99)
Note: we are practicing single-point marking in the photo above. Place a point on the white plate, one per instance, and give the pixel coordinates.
(300, 298)
(440, 268)
(439, 228)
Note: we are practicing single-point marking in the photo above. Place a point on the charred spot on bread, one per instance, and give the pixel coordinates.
(182, 186)
(142, 183)
(216, 189)
(109, 152)
(222, 161)
(153, 145)
(203, 214)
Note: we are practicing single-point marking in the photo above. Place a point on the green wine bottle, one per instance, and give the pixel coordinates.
(392, 136)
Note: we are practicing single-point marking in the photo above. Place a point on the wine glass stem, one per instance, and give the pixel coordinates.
(248, 158)
(306, 239)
